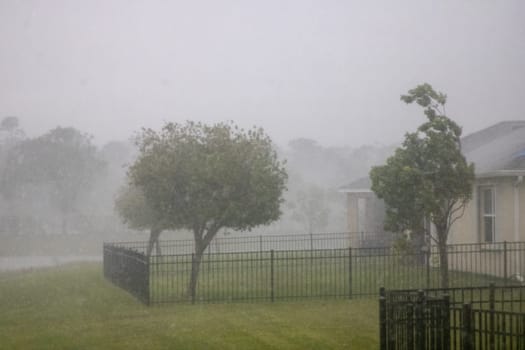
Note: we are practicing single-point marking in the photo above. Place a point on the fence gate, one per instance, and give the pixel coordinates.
(414, 321)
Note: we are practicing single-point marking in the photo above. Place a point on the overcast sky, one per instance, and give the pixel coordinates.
(328, 70)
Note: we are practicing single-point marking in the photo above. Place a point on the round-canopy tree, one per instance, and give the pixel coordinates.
(428, 177)
(204, 178)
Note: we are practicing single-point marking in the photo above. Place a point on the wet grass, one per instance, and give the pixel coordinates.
(73, 307)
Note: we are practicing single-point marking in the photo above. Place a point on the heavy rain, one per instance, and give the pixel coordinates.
(242, 174)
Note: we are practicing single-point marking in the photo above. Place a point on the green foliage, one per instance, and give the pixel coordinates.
(204, 178)
(131, 206)
(428, 176)
(134, 211)
(404, 250)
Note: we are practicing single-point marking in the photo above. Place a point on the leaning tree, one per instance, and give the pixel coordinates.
(208, 177)
(428, 177)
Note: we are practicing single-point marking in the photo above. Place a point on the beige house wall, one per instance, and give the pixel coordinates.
(509, 209)
(365, 215)
(486, 259)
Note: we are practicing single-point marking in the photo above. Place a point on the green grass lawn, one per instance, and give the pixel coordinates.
(73, 307)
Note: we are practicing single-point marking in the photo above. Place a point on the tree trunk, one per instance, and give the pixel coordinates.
(201, 243)
(153, 238)
(195, 267)
(159, 252)
(443, 262)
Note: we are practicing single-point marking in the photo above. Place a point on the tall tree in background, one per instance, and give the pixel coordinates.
(63, 160)
(205, 178)
(428, 176)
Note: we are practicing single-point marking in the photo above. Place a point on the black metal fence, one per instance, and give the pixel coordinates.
(304, 273)
(491, 317)
(128, 269)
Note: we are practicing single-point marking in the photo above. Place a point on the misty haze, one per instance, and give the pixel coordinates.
(234, 154)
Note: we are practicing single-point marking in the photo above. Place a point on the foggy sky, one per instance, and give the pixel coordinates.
(328, 70)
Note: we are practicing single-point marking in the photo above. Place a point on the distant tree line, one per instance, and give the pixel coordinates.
(61, 182)
(58, 182)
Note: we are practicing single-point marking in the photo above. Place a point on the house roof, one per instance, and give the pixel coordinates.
(358, 186)
(489, 134)
(498, 150)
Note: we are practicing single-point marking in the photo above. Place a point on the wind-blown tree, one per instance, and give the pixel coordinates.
(131, 206)
(205, 178)
(64, 161)
(428, 177)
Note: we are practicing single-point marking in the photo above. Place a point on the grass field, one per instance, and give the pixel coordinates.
(73, 307)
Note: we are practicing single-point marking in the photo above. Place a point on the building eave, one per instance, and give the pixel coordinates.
(501, 173)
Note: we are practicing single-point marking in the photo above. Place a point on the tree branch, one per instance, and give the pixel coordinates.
(462, 208)
(210, 234)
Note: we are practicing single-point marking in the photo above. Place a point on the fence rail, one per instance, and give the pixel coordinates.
(262, 243)
(305, 273)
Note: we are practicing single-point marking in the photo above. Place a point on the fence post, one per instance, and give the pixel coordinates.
(350, 273)
(420, 320)
(428, 257)
(446, 322)
(492, 308)
(522, 328)
(104, 260)
(193, 292)
(260, 243)
(272, 275)
(409, 327)
(311, 241)
(467, 334)
(382, 319)
(505, 272)
(146, 281)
